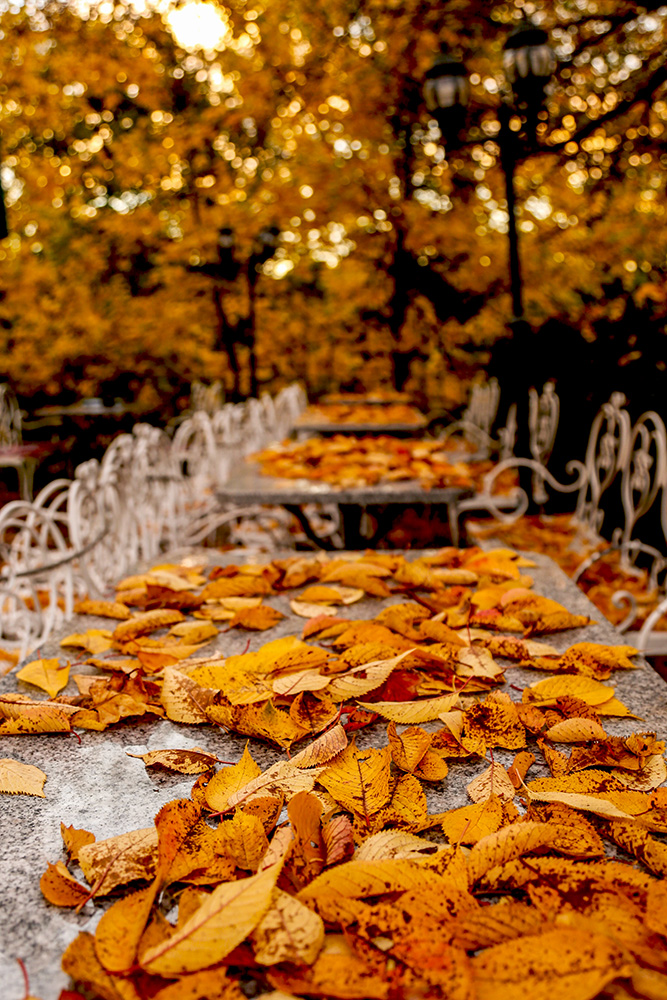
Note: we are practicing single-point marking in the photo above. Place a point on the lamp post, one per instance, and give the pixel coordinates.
(528, 63)
(265, 247)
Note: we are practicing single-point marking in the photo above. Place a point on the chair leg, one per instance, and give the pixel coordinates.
(26, 474)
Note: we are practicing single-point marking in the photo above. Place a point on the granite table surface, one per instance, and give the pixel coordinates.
(94, 785)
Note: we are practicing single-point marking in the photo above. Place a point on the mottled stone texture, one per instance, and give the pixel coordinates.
(96, 786)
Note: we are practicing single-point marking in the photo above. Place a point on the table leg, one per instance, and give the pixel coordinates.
(351, 519)
(312, 536)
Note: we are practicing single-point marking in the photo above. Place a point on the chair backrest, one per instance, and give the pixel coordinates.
(606, 455)
(543, 414)
(482, 407)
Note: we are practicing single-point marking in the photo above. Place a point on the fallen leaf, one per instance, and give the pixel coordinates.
(94, 640)
(62, 889)
(74, 839)
(21, 779)
(362, 679)
(575, 731)
(289, 932)
(103, 609)
(258, 619)
(145, 623)
(194, 761)
(359, 780)
(230, 780)
(561, 964)
(118, 860)
(222, 922)
(394, 844)
(45, 674)
(184, 700)
(412, 712)
(493, 781)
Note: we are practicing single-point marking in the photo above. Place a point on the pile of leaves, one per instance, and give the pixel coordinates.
(326, 874)
(363, 413)
(561, 538)
(348, 461)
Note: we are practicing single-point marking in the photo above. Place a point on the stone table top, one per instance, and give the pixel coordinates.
(246, 484)
(94, 784)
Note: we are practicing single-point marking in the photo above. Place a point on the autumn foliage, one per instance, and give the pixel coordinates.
(125, 155)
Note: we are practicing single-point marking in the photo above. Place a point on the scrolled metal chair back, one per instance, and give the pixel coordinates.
(644, 473)
(543, 414)
(606, 454)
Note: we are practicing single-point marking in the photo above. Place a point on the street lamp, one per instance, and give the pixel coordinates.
(528, 62)
(446, 93)
(228, 266)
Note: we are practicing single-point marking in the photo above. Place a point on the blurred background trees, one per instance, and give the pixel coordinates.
(127, 149)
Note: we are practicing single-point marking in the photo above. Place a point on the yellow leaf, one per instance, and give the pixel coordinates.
(650, 776)
(194, 761)
(184, 700)
(221, 923)
(575, 731)
(21, 779)
(95, 640)
(548, 690)
(394, 844)
(61, 888)
(412, 712)
(408, 748)
(470, 823)
(493, 781)
(244, 839)
(587, 803)
(305, 609)
(289, 932)
(359, 780)
(322, 749)
(118, 860)
(560, 964)
(521, 838)
(230, 780)
(45, 674)
(283, 778)
(118, 933)
(360, 680)
(145, 623)
(356, 879)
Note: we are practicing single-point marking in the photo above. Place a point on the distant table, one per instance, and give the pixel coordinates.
(247, 485)
(361, 417)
